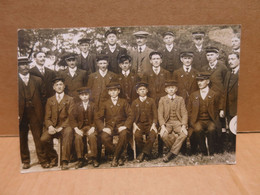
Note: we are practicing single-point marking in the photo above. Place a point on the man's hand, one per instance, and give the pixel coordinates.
(91, 130)
(78, 131)
(221, 114)
(163, 130)
(135, 127)
(121, 128)
(153, 127)
(107, 130)
(51, 130)
(184, 130)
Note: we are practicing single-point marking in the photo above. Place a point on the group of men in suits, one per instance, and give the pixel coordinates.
(183, 93)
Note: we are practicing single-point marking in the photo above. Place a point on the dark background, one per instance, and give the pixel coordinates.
(64, 13)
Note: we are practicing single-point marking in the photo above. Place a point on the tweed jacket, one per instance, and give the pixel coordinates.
(164, 110)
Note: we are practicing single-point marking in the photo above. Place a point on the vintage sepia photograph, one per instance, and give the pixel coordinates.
(139, 96)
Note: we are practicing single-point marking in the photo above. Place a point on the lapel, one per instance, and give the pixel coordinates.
(81, 111)
(108, 77)
(21, 83)
(232, 84)
(63, 102)
(31, 84)
(167, 102)
(210, 97)
(35, 71)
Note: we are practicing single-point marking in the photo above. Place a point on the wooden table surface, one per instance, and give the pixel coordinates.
(242, 178)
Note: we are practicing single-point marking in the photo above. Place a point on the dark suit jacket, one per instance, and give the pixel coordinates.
(213, 107)
(95, 83)
(90, 66)
(47, 80)
(150, 109)
(37, 95)
(113, 57)
(217, 76)
(164, 110)
(229, 104)
(187, 83)
(128, 83)
(114, 116)
(75, 82)
(156, 88)
(77, 115)
(141, 60)
(199, 59)
(58, 115)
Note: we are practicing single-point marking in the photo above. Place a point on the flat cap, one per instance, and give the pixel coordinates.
(203, 76)
(110, 31)
(141, 34)
(114, 85)
(186, 53)
(68, 55)
(168, 33)
(123, 58)
(56, 79)
(212, 50)
(82, 90)
(84, 40)
(171, 83)
(102, 57)
(141, 84)
(198, 33)
(155, 53)
(23, 60)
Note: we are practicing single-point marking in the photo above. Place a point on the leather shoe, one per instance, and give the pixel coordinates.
(140, 157)
(114, 162)
(79, 164)
(26, 166)
(45, 165)
(53, 163)
(64, 165)
(169, 157)
(120, 162)
(95, 163)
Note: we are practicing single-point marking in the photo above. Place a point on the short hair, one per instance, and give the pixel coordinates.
(234, 53)
(36, 53)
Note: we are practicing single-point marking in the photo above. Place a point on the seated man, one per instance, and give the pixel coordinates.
(145, 121)
(58, 108)
(203, 110)
(173, 119)
(82, 121)
(115, 117)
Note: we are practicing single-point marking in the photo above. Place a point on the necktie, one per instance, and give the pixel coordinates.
(125, 74)
(42, 71)
(59, 98)
(156, 71)
(25, 80)
(187, 70)
(140, 49)
(172, 99)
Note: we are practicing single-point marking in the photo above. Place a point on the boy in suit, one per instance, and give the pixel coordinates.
(58, 109)
(173, 120)
(115, 117)
(145, 121)
(82, 121)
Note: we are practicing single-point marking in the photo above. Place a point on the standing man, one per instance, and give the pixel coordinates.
(140, 56)
(156, 77)
(74, 77)
(236, 43)
(31, 93)
(229, 105)
(86, 60)
(44, 73)
(113, 51)
(99, 80)
(198, 50)
(170, 53)
(203, 108)
(58, 109)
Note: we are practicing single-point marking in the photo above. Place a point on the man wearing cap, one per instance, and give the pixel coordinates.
(173, 120)
(198, 50)
(140, 55)
(127, 79)
(86, 60)
(145, 121)
(44, 73)
(100, 79)
(58, 109)
(216, 69)
(74, 77)
(31, 93)
(170, 52)
(113, 51)
(82, 121)
(203, 108)
(229, 102)
(156, 77)
(115, 117)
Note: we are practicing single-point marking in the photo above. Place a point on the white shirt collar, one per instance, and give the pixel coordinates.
(142, 47)
(24, 77)
(112, 48)
(114, 100)
(156, 70)
(185, 68)
(40, 68)
(169, 47)
(85, 105)
(235, 70)
(126, 72)
(85, 55)
(213, 65)
(72, 70)
(142, 99)
(237, 50)
(61, 95)
(204, 92)
(199, 47)
(103, 74)
(171, 97)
